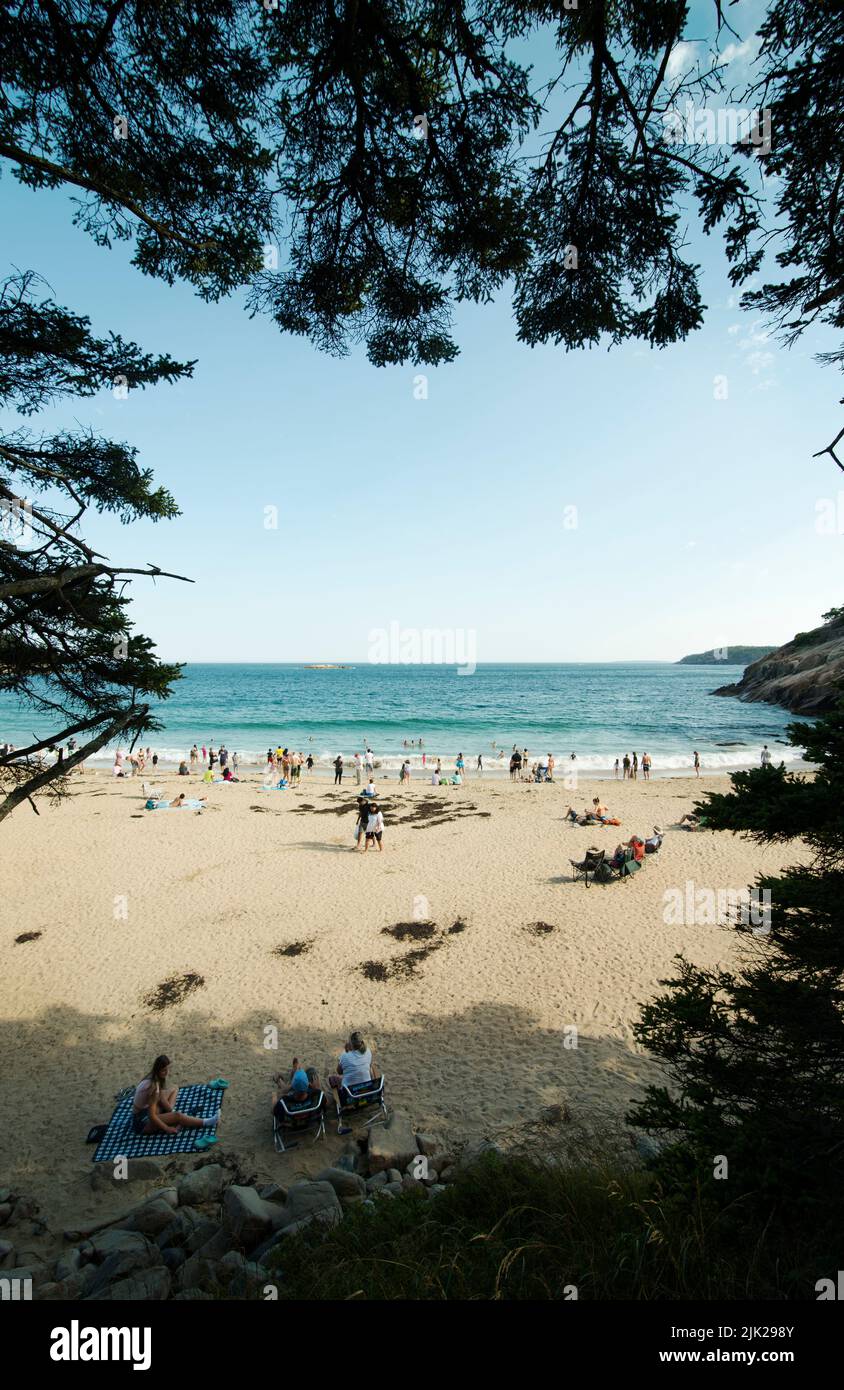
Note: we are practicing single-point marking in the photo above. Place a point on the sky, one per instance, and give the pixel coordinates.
(695, 521)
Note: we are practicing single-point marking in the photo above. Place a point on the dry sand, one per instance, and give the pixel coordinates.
(470, 1036)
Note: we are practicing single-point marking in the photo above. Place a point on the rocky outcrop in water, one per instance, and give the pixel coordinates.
(805, 676)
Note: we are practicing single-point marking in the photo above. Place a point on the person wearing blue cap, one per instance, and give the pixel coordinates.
(302, 1083)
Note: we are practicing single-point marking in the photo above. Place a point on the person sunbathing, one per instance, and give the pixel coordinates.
(692, 822)
(152, 1105)
(181, 802)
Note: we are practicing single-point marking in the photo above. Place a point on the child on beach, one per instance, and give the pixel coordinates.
(374, 828)
(152, 1106)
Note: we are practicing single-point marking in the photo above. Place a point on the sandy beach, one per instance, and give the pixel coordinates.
(263, 900)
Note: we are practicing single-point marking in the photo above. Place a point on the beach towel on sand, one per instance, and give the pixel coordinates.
(189, 802)
(120, 1141)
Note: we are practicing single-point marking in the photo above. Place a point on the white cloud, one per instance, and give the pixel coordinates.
(680, 59)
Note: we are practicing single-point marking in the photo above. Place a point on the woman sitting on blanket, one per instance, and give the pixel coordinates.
(152, 1107)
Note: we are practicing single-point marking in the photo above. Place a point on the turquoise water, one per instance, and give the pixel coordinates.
(598, 711)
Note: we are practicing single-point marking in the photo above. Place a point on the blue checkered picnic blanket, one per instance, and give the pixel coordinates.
(119, 1141)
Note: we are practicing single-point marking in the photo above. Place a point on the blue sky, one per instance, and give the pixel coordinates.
(696, 517)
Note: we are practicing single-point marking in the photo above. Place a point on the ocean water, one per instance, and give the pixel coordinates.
(598, 711)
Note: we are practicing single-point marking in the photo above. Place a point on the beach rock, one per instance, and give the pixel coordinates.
(7, 1254)
(5, 1194)
(345, 1184)
(5, 1212)
(447, 1174)
(144, 1170)
(218, 1245)
(428, 1144)
(435, 1189)
(393, 1175)
(182, 1225)
(555, 1114)
(202, 1185)
(249, 1218)
(122, 1242)
(204, 1233)
(191, 1296)
(148, 1285)
(120, 1265)
(475, 1150)
(326, 1216)
(390, 1191)
(172, 1258)
(274, 1192)
(201, 1274)
(378, 1180)
(150, 1219)
(391, 1145)
(306, 1199)
(67, 1265)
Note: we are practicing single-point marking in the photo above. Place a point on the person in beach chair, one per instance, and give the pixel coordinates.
(298, 1102)
(357, 1084)
(624, 862)
(152, 1106)
(590, 864)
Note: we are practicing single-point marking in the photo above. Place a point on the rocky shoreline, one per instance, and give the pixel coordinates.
(205, 1233)
(804, 676)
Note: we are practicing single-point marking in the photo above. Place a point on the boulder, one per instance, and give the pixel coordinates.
(5, 1212)
(448, 1174)
(202, 1185)
(217, 1246)
(249, 1218)
(68, 1264)
(347, 1161)
(172, 1258)
(119, 1266)
(117, 1241)
(182, 1225)
(306, 1199)
(379, 1180)
(146, 1286)
(200, 1273)
(345, 1184)
(393, 1175)
(274, 1192)
(475, 1150)
(204, 1233)
(392, 1145)
(144, 1170)
(191, 1296)
(435, 1189)
(428, 1144)
(7, 1254)
(151, 1218)
(393, 1189)
(326, 1216)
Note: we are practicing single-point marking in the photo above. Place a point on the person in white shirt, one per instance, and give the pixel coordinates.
(358, 766)
(369, 760)
(369, 789)
(374, 828)
(354, 1065)
(766, 756)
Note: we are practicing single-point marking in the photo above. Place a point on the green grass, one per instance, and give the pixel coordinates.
(527, 1228)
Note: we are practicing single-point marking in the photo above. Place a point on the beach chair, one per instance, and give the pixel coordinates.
(351, 1100)
(297, 1116)
(584, 867)
(629, 864)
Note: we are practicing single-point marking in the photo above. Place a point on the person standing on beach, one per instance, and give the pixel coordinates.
(634, 768)
(480, 765)
(369, 759)
(550, 767)
(310, 762)
(766, 756)
(235, 763)
(646, 767)
(204, 753)
(194, 756)
(697, 763)
(338, 770)
(626, 765)
(358, 769)
(616, 768)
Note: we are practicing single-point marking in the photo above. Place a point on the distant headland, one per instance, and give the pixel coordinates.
(721, 656)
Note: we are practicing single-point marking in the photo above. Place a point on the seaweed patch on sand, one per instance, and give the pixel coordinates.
(172, 991)
(295, 948)
(540, 928)
(27, 936)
